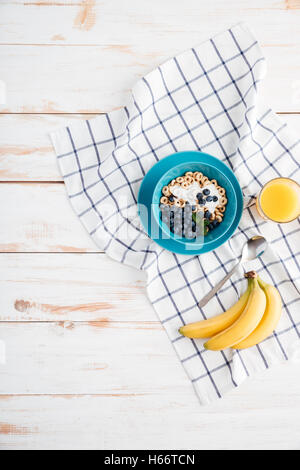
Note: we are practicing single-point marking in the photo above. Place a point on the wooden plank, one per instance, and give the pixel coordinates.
(51, 287)
(262, 414)
(86, 358)
(104, 358)
(26, 153)
(103, 22)
(69, 79)
(31, 221)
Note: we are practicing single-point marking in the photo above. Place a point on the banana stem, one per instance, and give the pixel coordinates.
(251, 275)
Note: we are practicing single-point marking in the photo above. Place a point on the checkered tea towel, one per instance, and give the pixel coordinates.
(207, 99)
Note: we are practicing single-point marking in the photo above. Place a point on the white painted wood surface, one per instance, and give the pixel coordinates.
(30, 157)
(72, 287)
(87, 364)
(85, 56)
(258, 415)
(34, 223)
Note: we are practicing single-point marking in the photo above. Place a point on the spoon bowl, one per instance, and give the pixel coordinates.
(254, 248)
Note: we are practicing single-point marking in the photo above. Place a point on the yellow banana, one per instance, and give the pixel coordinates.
(246, 323)
(212, 326)
(269, 320)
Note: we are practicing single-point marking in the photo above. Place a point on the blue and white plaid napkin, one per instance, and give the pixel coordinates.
(206, 98)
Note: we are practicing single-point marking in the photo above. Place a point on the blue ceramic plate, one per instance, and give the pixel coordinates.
(176, 165)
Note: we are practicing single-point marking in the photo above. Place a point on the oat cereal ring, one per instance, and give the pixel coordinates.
(173, 182)
(179, 179)
(212, 217)
(222, 209)
(164, 200)
(189, 179)
(166, 191)
(198, 177)
(185, 184)
(178, 202)
(220, 214)
(189, 173)
(206, 183)
(223, 201)
(218, 218)
(214, 182)
(204, 179)
(221, 191)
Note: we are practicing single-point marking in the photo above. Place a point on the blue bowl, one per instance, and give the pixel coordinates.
(176, 165)
(209, 170)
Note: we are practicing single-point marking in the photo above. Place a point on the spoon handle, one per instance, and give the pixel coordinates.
(218, 286)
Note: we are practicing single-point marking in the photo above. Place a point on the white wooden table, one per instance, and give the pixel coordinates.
(87, 363)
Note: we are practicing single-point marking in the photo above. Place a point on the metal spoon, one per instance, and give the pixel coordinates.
(252, 249)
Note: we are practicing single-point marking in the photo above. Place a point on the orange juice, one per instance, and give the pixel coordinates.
(279, 200)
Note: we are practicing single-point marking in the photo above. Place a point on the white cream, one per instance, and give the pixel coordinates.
(190, 194)
(187, 194)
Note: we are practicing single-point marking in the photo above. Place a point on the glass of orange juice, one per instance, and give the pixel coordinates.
(279, 200)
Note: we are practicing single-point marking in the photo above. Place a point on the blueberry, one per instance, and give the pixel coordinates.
(171, 198)
(215, 198)
(210, 226)
(208, 215)
(194, 208)
(199, 196)
(206, 192)
(215, 223)
(209, 199)
(194, 226)
(201, 202)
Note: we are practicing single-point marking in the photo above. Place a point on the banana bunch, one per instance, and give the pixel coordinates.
(249, 321)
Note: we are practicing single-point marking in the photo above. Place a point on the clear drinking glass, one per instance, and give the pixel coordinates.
(279, 200)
